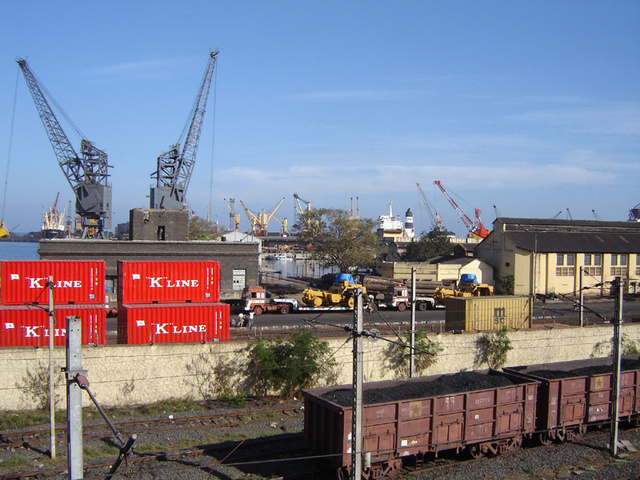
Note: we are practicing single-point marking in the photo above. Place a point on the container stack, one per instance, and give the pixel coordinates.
(171, 302)
(78, 290)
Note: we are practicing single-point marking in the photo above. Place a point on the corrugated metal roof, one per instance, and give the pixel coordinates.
(578, 242)
(571, 236)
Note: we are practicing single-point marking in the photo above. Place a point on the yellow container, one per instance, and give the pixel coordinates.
(488, 313)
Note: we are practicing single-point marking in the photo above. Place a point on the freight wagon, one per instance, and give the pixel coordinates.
(479, 411)
(28, 326)
(574, 395)
(74, 282)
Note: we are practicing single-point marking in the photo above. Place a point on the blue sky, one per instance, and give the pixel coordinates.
(533, 107)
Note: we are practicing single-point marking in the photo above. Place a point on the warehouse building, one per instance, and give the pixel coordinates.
(548, 257)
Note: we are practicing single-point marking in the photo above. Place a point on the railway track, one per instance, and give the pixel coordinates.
(159, 441)
(284, 456)
(30, 438)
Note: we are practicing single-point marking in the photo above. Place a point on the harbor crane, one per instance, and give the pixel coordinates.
(260, 222)
(476, 227)
(436, 221)
(87, 174)
(284, 224)
(299, 202)
(175, 166)
(234, 218)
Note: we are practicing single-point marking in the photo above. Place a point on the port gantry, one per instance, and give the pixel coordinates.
(175, 166)
(436, 220)
(87, 174)
(476, 227)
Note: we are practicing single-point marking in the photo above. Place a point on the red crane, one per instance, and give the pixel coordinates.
(476, 227)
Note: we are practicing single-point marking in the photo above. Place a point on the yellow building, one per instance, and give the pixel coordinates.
(546, 257)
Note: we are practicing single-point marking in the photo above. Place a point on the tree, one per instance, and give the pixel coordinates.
(201, 229)
(334, 239)
(433, 244)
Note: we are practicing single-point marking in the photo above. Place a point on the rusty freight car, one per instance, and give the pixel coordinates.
(573, 395)
(480, 411)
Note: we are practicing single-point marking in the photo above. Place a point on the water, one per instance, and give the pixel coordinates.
(295, 268)
(19, 250)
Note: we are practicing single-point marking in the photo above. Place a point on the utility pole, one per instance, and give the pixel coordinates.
(412, 334)
(618, 284)
(581, 298)
(52, 379)
(356, 420)
(74, 398)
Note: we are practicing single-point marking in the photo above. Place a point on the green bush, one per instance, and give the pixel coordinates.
(493, 348)
(425, 354)
(285, 366)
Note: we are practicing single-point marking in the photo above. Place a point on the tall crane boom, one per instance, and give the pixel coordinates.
(88, 175)
(436, 221)
(475, 227)
(174, 167)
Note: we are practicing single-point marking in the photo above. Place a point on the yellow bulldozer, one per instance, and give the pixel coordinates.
(338, 294)
(468, 286)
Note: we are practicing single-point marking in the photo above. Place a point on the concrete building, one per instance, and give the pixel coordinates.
(547, 257)
(239, 261)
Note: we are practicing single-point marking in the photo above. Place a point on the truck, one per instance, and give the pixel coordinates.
(338, 297)
(397, 297)
(258, 300)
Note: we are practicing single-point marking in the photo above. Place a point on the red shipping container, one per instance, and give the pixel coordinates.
(173, 323)
(168, 282)
(75, 282)
(25, 326)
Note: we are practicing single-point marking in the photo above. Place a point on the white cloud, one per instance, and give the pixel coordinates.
(616, 118)
(140, 69)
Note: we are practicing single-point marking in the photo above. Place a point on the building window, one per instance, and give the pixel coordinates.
(614, 259)
(592, 271)
(571, 259)
(564, 271)
(592, 265)
(623, 260)
(619, 272)
(559, 259)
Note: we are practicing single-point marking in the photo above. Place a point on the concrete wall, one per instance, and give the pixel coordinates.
(138, 374)
(158, 225)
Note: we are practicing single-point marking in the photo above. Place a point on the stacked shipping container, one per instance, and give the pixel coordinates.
(78, 290)
(171, 302)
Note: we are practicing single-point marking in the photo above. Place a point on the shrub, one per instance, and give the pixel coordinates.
(493, 348)
(286, 366)
(425, 354)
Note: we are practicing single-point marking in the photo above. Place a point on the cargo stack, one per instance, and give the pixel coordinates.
(171, 302)
(78, 290)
